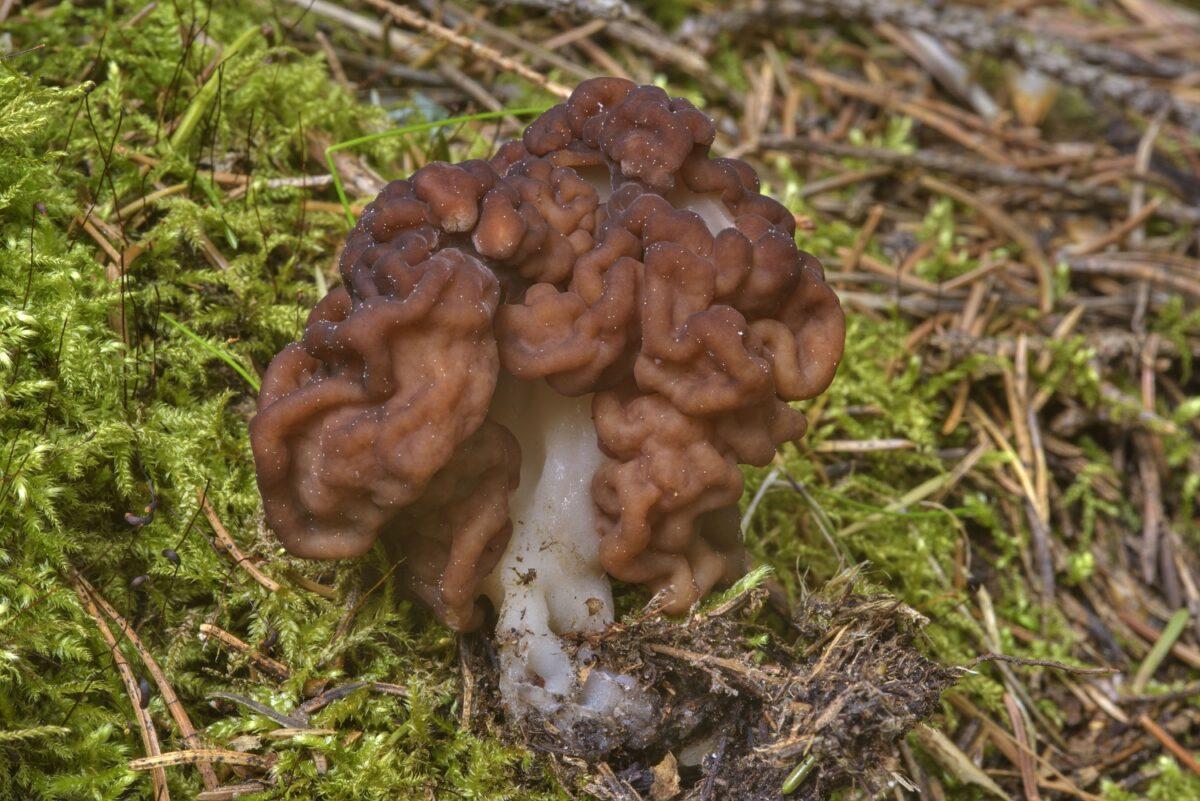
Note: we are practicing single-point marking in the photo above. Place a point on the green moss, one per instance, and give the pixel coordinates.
(91, 426)
(88, 423)
(1170, 783)
(909, 550)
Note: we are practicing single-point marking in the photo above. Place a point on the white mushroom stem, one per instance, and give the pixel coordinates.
(549, 581)
(709, 206)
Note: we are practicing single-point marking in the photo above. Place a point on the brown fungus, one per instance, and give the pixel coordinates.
(663, 301)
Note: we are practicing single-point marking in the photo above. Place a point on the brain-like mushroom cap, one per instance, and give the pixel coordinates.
(605, 253)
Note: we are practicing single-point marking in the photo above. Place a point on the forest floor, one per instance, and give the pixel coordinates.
(1005, 195)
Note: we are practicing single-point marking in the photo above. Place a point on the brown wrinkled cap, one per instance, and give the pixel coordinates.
(580, 255)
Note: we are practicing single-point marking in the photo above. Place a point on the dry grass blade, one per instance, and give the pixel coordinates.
(229, 546)
(231, 792)
(943, 749)
(1006, 225)
(273, 666)
(1025, 764)
(406, 16)
(216, 756)
(145, 723)
(976, 169)
(170, 699)
(1170, 743)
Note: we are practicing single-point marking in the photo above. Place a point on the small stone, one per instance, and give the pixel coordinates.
(666, 779)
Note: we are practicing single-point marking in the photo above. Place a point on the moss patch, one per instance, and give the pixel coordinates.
(128, 329)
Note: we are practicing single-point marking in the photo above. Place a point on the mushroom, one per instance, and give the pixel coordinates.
(542, 371)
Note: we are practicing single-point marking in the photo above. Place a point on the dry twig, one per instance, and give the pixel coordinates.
(406, 16)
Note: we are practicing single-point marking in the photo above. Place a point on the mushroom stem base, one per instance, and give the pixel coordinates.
(549, 582)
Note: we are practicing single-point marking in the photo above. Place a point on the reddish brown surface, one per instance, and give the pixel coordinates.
(376, 423)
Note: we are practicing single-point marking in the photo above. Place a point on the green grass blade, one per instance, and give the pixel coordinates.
(219, 352)
(1166, 641)
(409, 129)
(204, 98)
